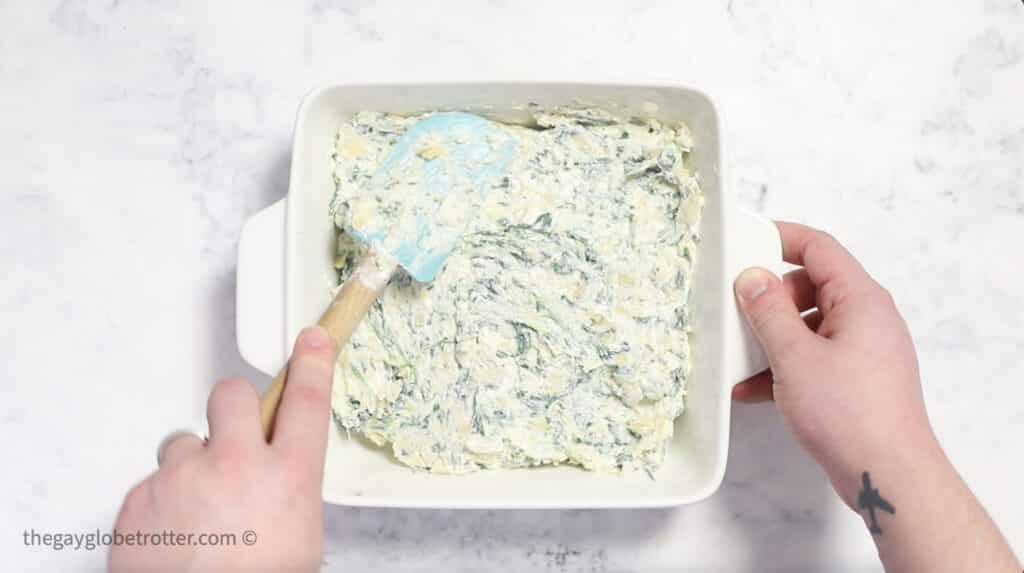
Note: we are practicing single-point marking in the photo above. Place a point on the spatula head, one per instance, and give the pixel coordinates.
(429, 187)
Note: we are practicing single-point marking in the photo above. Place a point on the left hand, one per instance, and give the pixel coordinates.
(268, 495)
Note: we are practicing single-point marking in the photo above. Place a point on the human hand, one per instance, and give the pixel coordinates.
(239, 483)
(845, 376)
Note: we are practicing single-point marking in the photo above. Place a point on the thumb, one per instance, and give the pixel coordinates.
(771, 312)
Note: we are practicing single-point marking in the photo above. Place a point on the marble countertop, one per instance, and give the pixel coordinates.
(136, 137)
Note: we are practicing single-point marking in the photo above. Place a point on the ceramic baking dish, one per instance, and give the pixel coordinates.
(285, 270)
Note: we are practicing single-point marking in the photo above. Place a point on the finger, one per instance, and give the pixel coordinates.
(817, 251)
(178, 446)
(800, 289)
(830, 267)
(234, 415)
(301, 426)
(757, 388)
(761, 387)
(772, 314)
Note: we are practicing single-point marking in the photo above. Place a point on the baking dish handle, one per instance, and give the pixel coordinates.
(259, 298)
(757, 243)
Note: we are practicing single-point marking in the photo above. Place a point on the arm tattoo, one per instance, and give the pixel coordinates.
(870, 499)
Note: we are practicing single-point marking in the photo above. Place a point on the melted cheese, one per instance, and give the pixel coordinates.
(558, 330)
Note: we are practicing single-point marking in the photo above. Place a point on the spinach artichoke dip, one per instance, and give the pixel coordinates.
(557, 332)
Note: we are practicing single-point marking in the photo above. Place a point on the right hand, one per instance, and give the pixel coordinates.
(265, 496)
(845, 376)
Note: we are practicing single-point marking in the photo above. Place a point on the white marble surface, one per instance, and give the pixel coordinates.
(137, 136)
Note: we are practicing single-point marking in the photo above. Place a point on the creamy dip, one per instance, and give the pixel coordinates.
(557, 332)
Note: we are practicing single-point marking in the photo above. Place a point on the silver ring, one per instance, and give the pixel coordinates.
(173, 436)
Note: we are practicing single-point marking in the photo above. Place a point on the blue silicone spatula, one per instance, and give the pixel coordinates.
(412, 214)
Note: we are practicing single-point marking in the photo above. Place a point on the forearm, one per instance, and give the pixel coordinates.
(936, 525)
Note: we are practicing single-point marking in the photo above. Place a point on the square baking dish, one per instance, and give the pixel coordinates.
(285, 270)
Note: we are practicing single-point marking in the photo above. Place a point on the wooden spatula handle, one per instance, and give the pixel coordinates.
(340, 320)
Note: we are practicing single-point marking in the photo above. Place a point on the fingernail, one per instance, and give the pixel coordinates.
(314, 337)
(752, 283)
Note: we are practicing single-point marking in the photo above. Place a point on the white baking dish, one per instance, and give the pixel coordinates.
(285, 269)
